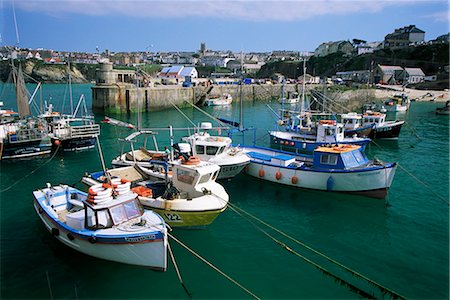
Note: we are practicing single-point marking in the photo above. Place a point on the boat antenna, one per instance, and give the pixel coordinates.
(15, 23)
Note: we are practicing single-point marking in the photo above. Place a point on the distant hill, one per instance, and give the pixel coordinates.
(50, 73)
(430, 58)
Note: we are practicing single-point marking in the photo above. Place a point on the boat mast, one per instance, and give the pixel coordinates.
(241, 117)
(70, 87)
(303, 86)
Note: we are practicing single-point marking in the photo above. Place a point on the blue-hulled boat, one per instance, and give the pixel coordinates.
(305, 139)
(338, 168)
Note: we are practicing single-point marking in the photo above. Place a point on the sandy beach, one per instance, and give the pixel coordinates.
(418, 95)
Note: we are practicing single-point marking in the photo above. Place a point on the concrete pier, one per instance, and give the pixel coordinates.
(116, 91)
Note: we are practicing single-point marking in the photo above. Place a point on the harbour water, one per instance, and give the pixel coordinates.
(401, 243)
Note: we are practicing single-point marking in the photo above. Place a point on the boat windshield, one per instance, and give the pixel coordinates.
(107, 217)
(200, 149)
(211, 150)
(185, 176)
(204, 178)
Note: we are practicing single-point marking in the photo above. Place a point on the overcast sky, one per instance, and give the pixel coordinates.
(246, 25)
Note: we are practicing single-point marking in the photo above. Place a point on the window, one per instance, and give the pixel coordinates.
(215, 175)
(185, 176)
(211, 150)
(132, 209)
(359, 157)
(200, 149)
(220, 150)
(204, 178)
(118, 214)
(328, 159)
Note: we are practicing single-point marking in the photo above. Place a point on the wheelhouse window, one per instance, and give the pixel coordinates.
(329, 132)
(221, 149)
(211, 150)
(328, 159)
(200, 149)
(185, 176)
(204, 178)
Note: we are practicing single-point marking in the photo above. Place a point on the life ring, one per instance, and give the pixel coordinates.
(261, 173)
(193, 160)
(278, 175)
(99, 193)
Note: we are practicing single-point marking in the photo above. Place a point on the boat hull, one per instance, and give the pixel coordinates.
(387, 131)
(24, 150)
(196, 212)
(75, 144)
(146, 249)
(360, 132)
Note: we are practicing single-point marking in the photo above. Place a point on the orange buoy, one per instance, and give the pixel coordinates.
(261, 173)
(56, 142)
(278, 175)
(294, 179)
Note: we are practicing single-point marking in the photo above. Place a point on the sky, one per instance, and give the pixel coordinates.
(244, 25)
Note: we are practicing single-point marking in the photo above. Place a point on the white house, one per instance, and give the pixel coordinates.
(178, 72)
(412, 75)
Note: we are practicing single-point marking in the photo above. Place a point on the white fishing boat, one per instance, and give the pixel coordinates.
(397, 103)
(388, 130)
(225, 99)
(103, 225)
(217, 150)
(185, 192)
(339, 168)
(292, 98)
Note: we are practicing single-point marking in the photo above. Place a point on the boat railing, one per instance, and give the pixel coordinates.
(26, 135)
(91, 130)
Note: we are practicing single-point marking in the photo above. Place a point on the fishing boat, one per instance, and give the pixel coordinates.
(335, 168)
(104, 224)
(217, 150)
(143, 156)
(183, 191)
(353, 125)
(397, 103)
(22, 136)
(70, 132)
(299, 139)
(225, 99)
(292, 98)
(388, 130)
(444, 110)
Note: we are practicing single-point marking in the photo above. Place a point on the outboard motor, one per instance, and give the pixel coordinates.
(183, 149)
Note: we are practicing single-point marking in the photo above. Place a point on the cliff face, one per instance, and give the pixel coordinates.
(50, 73)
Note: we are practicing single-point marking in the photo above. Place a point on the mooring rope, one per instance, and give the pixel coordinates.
(382, 288)
(413, 131)
(417, 179)
(26, 175)
(212, 266)
(183, 114)
(172, 257)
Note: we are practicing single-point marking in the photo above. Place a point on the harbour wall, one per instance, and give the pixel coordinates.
(122, 98)
(117, 91)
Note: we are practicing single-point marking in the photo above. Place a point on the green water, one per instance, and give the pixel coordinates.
(403, 245)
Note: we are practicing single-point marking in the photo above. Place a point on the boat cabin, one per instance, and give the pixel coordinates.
(192, 175)
(339, 157)
(351, 120)
(97, 216)
(328, 131)
(373, 118)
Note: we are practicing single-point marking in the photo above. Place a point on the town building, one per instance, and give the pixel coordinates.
(404, 37)
(328, 48)
(411, 75)
(386, 74)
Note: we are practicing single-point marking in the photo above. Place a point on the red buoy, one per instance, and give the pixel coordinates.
(261, 173)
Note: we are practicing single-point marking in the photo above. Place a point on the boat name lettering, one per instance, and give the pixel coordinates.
(368, 174)
(173, 217)
(140, 238)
